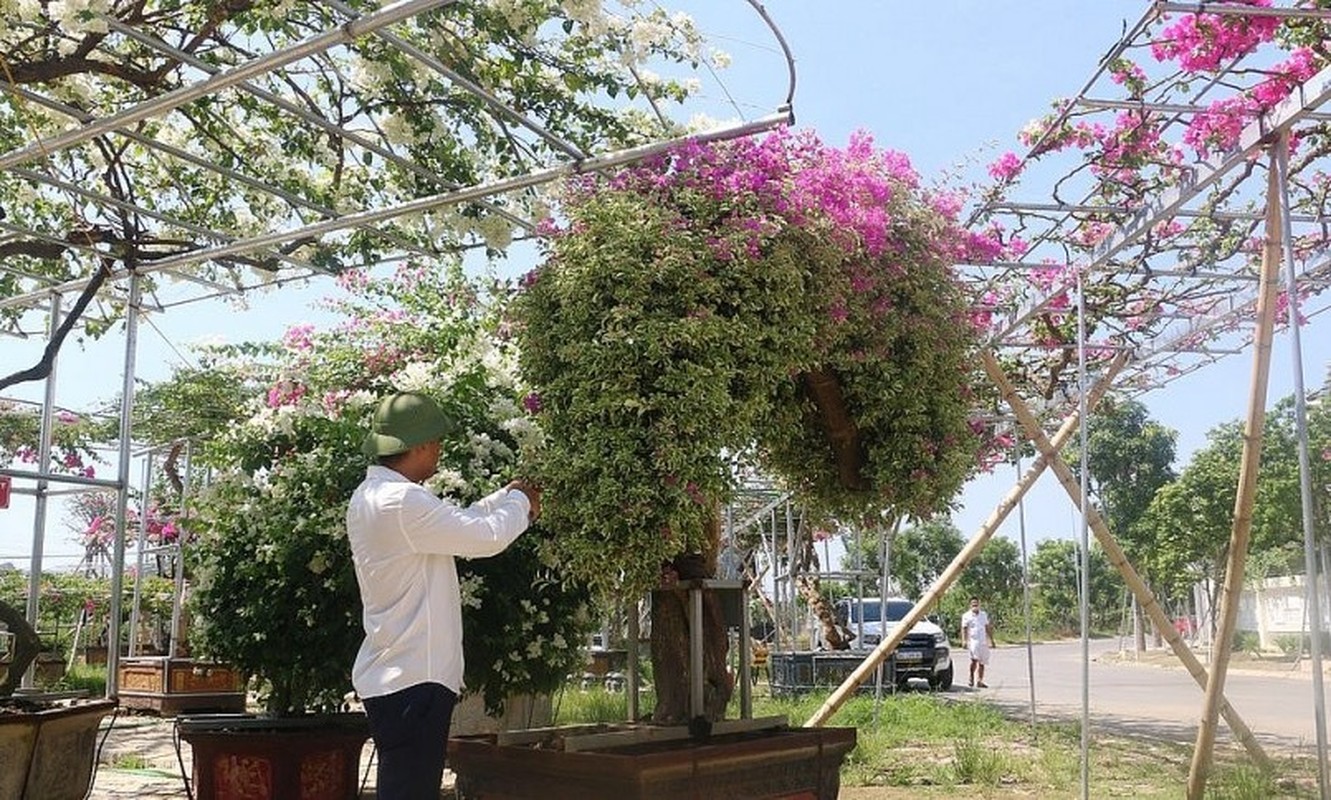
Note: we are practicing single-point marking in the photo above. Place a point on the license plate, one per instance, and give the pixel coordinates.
(910, 655)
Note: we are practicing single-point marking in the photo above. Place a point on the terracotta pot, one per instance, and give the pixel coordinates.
(786, 763)
(245, 757)
(48, 754)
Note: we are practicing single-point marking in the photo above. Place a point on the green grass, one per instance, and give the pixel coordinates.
(575, 706)
(916, 744)
(129, 761)
(82, 676)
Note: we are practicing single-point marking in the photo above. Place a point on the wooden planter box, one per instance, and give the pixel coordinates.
(94, 655)
(784, 763)
(170, 686)
(253, 758)
(48, 754)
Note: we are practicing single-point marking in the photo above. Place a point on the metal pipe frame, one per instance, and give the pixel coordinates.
(1239, 9)
(478, 191)
(1306, 98)
(304, 115)
(1306, 502)
(122, 497)
(156, 106)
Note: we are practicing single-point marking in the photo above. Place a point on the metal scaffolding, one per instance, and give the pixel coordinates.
(1129, 259)
(98, 203)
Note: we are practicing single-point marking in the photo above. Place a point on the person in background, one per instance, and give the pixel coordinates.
(977, 636)
(404, 540)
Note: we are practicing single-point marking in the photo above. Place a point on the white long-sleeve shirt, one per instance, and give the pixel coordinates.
(403, 542)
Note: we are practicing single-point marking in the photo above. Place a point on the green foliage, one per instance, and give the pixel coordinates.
(684, 314)
(1056, 590)
(1290, 644)
(89, 678)
(65, 596)
(1191, 519)
(275, 590)
(72, 438)
(1130, 458)
(1243, 782)
(1247, 642)
(596, 705)
(193, 403)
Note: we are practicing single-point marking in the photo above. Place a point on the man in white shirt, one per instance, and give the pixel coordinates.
(403, 542)
(977, 636)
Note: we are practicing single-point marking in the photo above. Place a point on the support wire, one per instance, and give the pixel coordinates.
(1085, 545)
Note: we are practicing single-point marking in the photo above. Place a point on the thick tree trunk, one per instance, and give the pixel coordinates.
(670, 643)
(824, 389)
(835, 636)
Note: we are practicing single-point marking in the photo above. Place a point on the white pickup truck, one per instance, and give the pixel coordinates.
(924, 652)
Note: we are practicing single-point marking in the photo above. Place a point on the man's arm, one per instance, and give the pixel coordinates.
(435, 526)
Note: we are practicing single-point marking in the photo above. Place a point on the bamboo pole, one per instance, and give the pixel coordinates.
(1116, 556)
(1241, 534)
(949, 576)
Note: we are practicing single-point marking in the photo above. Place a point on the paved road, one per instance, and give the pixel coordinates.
(1146, 699)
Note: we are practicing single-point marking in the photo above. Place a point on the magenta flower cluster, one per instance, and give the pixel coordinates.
(1204, 42)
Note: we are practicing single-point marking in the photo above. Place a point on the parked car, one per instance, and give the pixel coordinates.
(925, 652)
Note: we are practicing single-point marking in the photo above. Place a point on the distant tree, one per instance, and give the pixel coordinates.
(1191, 519)
(1129, 457)
(994, 575)
(919, 555)
(1056, 588)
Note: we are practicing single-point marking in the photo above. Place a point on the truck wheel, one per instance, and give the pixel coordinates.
(942, 681)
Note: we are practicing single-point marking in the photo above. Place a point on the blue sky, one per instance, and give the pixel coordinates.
(948, 82)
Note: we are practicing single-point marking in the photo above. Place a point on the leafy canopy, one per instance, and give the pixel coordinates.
(688, 308)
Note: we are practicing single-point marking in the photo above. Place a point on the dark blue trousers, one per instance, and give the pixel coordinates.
(410, 730)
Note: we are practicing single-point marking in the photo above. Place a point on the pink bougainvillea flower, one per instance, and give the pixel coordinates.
(1006, 168)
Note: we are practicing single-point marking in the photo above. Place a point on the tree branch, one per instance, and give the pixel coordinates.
(53, 69)
(42, 368)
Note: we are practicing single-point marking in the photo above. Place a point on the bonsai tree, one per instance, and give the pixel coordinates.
(773, 297)
(274, 588)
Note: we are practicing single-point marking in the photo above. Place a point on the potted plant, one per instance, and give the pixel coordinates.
(47, 747)
(274, 591)
(770, 298)
(773, 300)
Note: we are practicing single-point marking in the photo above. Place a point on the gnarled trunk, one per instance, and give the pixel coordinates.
(823, 387)
(26, 647)
(670, 641)
(835, 635)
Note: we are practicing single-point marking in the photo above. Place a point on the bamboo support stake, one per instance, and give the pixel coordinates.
(949, 576)
(1250, 462)
(1119, 559)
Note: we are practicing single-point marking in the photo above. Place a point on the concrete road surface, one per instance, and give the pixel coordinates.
(1146, 699)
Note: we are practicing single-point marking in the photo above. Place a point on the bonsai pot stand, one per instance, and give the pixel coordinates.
(171, 686)
(741, 758)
